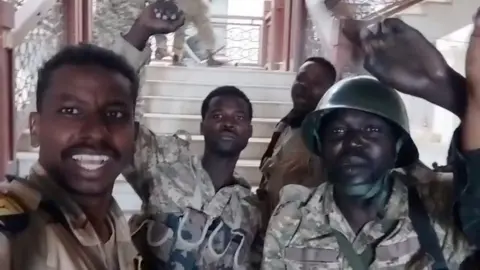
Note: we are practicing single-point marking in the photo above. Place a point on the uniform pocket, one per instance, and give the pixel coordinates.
(311, 258)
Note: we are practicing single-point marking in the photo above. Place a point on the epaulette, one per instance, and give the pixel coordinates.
(16, 205)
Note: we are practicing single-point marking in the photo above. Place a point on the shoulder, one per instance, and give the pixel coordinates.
(17, 202)
(165, 148)
(287, 212)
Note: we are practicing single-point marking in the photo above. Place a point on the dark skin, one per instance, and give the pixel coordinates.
(357, 148)
(311, 83)
(147, 24)
(401, 57)
(227, 128)
(91, 112)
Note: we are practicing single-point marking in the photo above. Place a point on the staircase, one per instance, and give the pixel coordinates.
(437, 18)
(172, 99)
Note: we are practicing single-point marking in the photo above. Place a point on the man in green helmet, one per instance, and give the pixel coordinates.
(369, 214)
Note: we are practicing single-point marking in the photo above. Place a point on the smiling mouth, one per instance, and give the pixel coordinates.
(90, 162)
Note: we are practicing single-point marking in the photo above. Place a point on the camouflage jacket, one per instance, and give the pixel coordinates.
(290, 162)
(184, 223)
(46, 230)
(300, 231)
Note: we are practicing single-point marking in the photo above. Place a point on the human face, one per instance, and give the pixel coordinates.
(357, 147)
(227, 125)
(310, 85)
(85, 129)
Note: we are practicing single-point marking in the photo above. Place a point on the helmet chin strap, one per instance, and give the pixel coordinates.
(376, 191)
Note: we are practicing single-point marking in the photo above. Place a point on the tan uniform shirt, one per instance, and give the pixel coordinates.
(300, 233)
(58, 235)
(290, 163)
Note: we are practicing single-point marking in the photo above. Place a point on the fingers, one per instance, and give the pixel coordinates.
(476, 24)
(396, 25)
(166, 10)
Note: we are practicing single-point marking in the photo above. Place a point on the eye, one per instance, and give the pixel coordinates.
(69, 111)
(373, 129)
(338, 130)
(116, 114)
(216, 116)
(240, 117)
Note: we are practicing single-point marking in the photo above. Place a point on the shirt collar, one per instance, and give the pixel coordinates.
(396, 207)
(74, 216)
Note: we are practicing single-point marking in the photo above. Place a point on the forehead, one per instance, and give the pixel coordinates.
(228, 102)
(312, 68)
(354, 117)
(88, 82)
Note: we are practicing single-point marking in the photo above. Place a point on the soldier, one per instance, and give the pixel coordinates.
(197, 213)
(63, 215)
(196, 12)
(368, 213)
(287, 160)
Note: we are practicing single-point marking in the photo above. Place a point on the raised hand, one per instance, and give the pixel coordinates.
(161, 17)
(473, 61)
(400, 56)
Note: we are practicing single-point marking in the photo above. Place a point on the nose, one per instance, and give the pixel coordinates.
(228, 122)
(94, 129)
(353, 139)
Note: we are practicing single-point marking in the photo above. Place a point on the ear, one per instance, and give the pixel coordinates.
(34, 126)
(201, 128)
(250, 131)
(137, 129)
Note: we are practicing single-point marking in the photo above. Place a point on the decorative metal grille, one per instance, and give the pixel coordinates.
(37, 47)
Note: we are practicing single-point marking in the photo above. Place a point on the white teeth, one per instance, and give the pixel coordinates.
(90, 162)
(91, 158)
(90, 167)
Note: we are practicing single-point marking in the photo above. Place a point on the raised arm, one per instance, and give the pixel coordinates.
(469, 203)
(401, 57)
(162, 17)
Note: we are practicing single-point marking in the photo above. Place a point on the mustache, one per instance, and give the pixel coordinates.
(103, 147)
(355, 152)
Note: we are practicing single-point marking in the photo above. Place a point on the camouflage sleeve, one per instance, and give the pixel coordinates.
(467, 180)
(116, 19)
(151, 150)
(435, 190)
(282, 226)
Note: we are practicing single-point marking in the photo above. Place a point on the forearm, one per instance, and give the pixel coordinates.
(450, 95)
(132, 46)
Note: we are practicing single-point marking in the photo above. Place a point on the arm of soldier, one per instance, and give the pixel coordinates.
(161, 17)
(283, 225)
(150, 150)
(274, 243)
(469, 201)
(5, 255)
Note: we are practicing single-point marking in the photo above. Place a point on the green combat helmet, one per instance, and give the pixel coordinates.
(363, 93)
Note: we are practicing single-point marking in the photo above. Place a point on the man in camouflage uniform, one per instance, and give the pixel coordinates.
(197, 13)
(287, 160)
(63, 215)
(197, 213)
(368, 214)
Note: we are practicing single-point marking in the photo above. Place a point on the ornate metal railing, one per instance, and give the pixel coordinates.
(370, 9)
(40, 44)
(238, 38)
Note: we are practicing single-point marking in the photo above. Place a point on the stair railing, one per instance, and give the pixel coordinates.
(32, 31)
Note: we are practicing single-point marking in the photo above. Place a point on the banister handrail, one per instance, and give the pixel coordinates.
(27, 17)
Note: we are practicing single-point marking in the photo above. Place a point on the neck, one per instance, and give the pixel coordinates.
(219, 168)
(96, 208)
(356, 210)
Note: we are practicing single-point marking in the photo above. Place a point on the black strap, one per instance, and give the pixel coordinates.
(427, 236)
